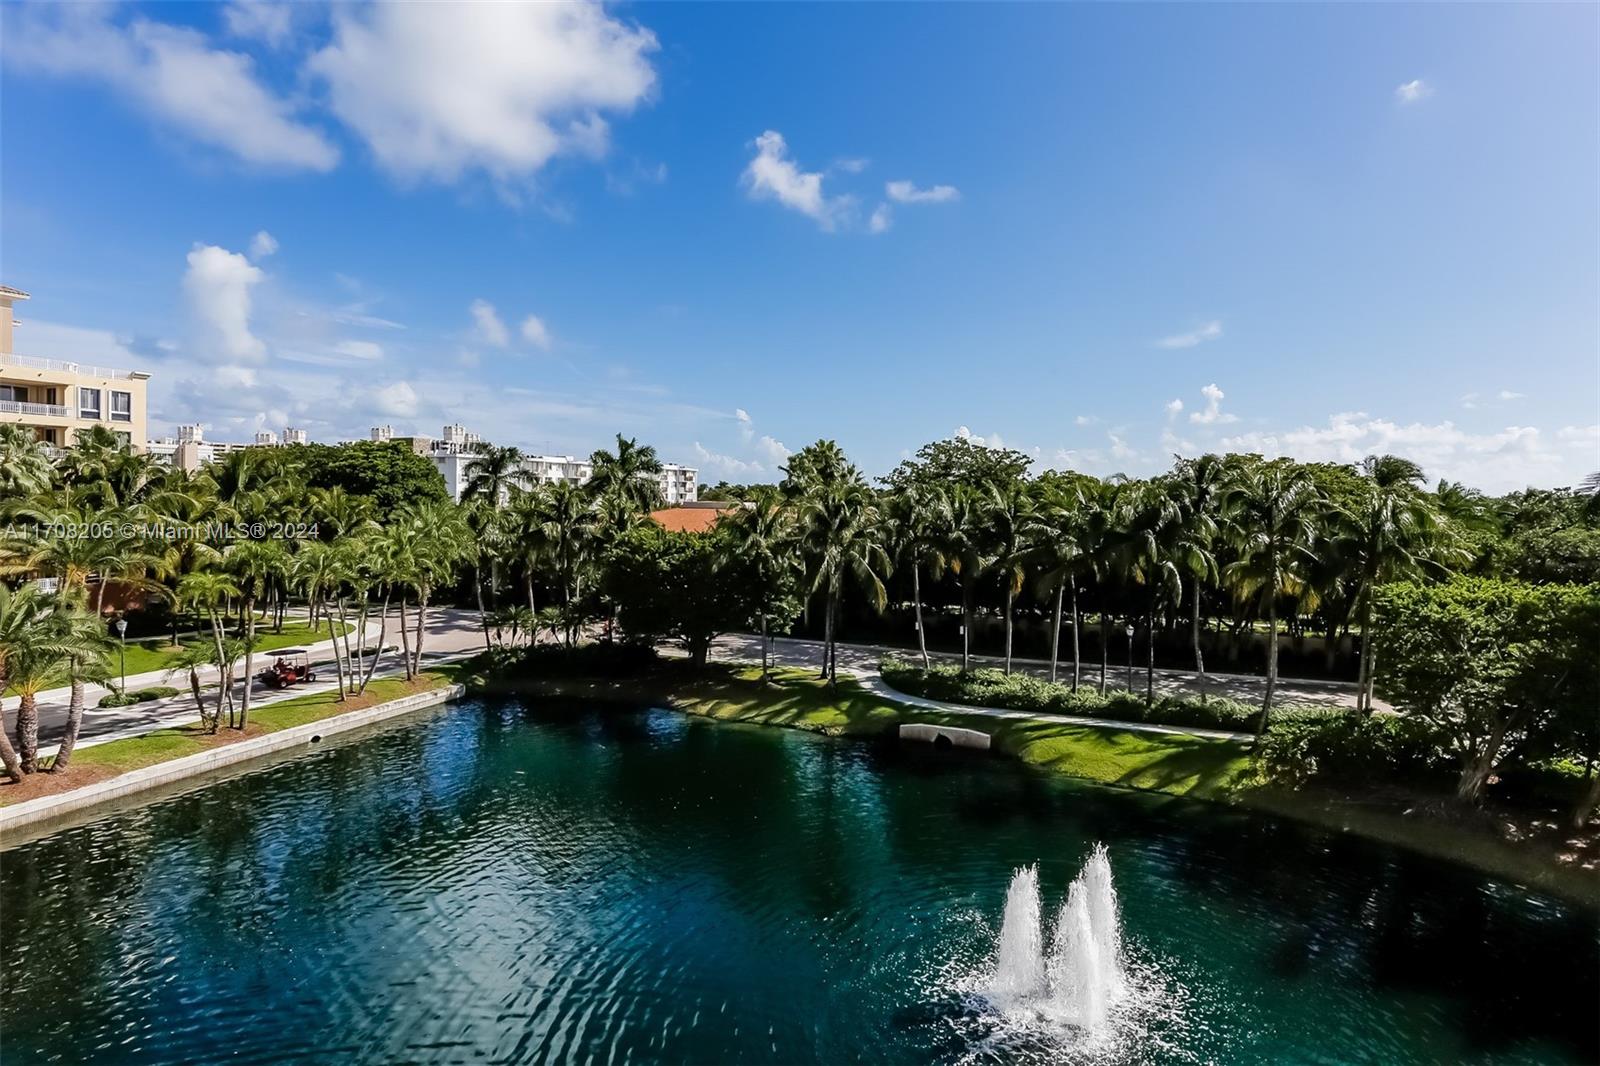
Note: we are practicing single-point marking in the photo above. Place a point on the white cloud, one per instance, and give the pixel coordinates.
(1507, 394)
(1212, 413)
(746, 430)
(490, 329)
(366, 351)
(173, 74)
(1469, 400)
(258, 20)
(1120, 448)
(1085, 420)
(724, 464)
(904, 192)
(771, 175)
(1174, 408)
(534, 332)
(882, 217)
(1413, 91)
(218, 284)
(262, 245)
(775, 451)
(398, 399)
(992, 440)
(1511, 458)
(437, 90)
(1209, 331)
(851, 165)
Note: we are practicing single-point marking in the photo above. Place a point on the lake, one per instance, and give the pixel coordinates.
(510, 882)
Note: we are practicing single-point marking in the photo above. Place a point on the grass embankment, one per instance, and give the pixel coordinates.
(158, 653)
(1177, 764)
(101, 761)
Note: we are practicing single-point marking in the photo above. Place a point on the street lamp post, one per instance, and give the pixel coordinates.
(122, 652)
(1129, 631)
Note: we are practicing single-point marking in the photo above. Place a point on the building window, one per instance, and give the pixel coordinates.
(14, 393)
(88, 403)
(121, 406)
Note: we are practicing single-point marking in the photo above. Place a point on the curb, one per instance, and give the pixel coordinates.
(47, 808)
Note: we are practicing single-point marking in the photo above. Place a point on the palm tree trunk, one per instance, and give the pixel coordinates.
(1011, 597)
(765, 669)
(533, 633)
(8, 754)
(916, 598)
(74, 723)
(1105, 648)
(338, 663)
(1364, 674)
(1055, 632)
(249, 661)
(1194, 636)
(1150, 656)
(966, 626)
(223, 690)
(1076, 624)
(422, 618)
(28, 731)
(1272, 660)
(483, 618)
(377, 652)
(207, 722)
(405, 639)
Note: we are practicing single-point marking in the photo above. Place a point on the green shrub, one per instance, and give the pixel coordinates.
(1025, 692)
(1351, 748)
(142, 695)
(600, 659)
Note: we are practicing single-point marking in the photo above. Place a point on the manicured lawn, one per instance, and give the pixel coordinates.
(157, 653)
(1158, 762)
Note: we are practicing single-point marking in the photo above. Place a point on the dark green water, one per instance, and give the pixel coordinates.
(512, 884)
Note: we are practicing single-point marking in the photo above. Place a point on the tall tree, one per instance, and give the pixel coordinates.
(631, 472)
(918, 515)
(758, 543)
(842, 530)
(1273, 510)
(1060, 555)
(1198, 486)
(1010, 507)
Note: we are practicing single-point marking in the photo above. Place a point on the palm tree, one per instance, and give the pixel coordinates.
(762, 538)
(1011, 509)
(568, 531)
(631, 472)
(919, 515)
(210, 590)
(492, 475)
(1197, 488)
(68, 544)
(189, 662)
(319, 568)
(842, 530)
(32, 663)
(83, 644)
(441, 539)
(23, 629)
(967, 553)
(1274, 510)
(25, 469)
(1057, 534)
(254, 564)
(1147, 552)
(527, 539)
(1396, 535)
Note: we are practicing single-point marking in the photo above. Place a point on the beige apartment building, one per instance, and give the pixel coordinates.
(56, 397)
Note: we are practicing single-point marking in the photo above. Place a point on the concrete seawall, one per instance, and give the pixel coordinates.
(51, 808)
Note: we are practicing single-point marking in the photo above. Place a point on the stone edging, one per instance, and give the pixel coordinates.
(46, 808)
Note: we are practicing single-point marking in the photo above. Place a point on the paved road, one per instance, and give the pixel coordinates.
(448, 635)
(862, 659)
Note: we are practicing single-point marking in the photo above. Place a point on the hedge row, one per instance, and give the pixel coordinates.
(141, 695)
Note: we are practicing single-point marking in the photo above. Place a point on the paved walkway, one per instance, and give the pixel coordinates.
(856, 660)
(1245, 688)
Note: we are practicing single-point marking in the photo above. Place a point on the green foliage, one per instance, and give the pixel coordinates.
(142, 695)
(1490, 664)
(1549, 554)
(388, 472)
(958, 461)
(678, 586)
(1339, 746)
(1024, 692)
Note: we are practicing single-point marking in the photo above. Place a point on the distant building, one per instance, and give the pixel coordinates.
(453, 452)
(58, 398)
(188, 449)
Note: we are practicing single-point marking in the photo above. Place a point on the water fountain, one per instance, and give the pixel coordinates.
(1083, 977)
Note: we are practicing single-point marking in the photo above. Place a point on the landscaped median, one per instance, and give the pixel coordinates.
(102, 772)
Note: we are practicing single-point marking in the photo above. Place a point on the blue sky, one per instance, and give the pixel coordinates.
(1101, 234)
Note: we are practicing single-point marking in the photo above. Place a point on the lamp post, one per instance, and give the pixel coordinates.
(1129, 631)
(122, 652)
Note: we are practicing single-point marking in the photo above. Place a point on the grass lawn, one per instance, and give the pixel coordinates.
(1158, 762)
(101, 761)
(157, 653)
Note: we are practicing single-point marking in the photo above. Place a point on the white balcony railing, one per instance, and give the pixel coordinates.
(35, 362)
(42, 410)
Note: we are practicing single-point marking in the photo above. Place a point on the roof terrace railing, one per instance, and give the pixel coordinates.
(43, 410)
(35, 362)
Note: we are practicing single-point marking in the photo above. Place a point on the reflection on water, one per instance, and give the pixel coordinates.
(518, 884)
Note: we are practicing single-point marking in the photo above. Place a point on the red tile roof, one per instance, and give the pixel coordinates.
(690, 519)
